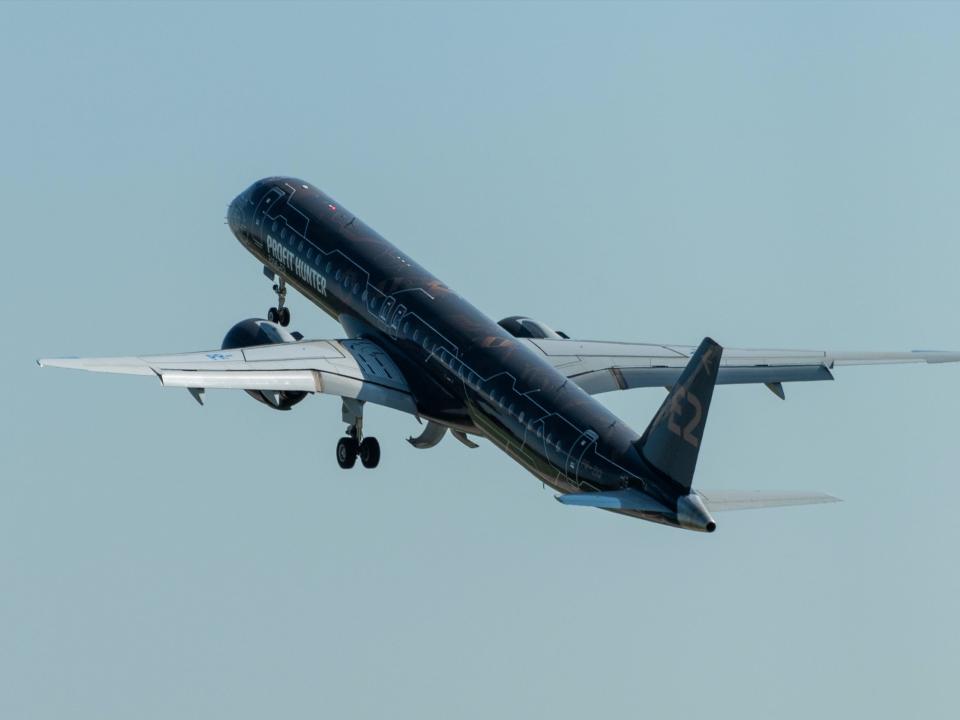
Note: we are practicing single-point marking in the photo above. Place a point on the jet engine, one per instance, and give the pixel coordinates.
(524, 327)
(255, 331)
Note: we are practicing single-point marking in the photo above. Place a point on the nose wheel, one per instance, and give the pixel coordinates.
(280, 314)
(354, 445)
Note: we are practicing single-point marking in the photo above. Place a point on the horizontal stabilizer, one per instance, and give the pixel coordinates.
(614, 500)
(720, 500)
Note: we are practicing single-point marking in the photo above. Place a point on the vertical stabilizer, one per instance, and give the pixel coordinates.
(672, 441)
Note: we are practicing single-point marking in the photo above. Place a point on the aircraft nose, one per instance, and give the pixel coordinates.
(237, 209)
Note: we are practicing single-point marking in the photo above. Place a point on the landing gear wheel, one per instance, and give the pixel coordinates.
(370, 452)
(280, 314)
(347, 449)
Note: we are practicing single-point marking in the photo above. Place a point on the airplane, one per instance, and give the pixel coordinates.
(414, 345)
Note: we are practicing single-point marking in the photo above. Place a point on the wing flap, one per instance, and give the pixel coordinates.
(290, 380)
(628, 378)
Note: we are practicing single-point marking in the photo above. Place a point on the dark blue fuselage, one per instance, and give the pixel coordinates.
(464, 369)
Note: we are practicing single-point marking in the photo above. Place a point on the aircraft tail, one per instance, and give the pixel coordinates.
(671, 443)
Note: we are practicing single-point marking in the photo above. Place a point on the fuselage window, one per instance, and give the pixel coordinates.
(416, 335)
(406, 327)
(283, 234)
(426, 343)
(338, 275)
(520, 417)
(387, 307)
(329, 267)
(309, 252)
(356, 288)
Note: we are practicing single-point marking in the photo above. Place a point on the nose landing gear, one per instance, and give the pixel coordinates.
(355, 445)
(280, 314)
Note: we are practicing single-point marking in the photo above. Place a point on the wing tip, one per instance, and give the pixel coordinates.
(55, 362)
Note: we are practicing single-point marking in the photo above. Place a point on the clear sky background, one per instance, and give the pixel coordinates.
(781, 175)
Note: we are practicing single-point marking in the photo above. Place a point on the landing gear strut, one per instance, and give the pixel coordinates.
(280, 314)
(355, 445)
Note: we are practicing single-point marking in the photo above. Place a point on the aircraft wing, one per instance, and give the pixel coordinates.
(600, 367)
(357, 369)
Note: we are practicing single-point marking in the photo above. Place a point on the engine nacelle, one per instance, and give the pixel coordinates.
(255, 331)
(524, 327)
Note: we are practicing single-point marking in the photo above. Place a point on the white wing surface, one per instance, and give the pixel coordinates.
(600, 367)
(356, 369)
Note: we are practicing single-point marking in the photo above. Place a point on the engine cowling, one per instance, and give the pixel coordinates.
(256, 331)
(524, 327)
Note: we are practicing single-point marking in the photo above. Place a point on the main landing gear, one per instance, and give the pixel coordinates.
(355, 445)
(280, 314)
(349, 449)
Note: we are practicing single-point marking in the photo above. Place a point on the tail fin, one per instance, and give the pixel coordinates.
(672, 441)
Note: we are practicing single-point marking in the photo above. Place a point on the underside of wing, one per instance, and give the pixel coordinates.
(357, 369)
(721, 500)
(600, 367)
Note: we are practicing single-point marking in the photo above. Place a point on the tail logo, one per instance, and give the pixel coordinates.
(680, 399)
(674, 410)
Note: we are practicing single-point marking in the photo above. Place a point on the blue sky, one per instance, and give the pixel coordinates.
(779, 175)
